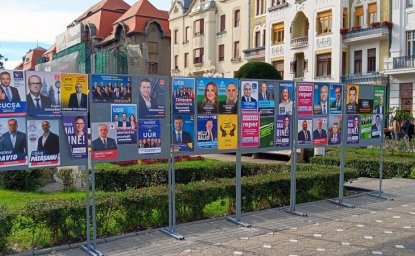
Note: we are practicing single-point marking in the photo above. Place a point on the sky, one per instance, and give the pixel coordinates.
(27, 24)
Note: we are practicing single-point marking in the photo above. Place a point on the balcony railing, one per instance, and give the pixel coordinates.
(373, 32)
(299, 42)
(404, 62)
(254, 53)
(368, 78)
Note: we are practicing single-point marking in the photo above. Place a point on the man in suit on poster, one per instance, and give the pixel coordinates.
(103, 142)
(49, 141)
(13, 140)
(304, 134)
(321, 108)
(145, 100)
(319, 133)
(78, 99)
(180, 136)
(36, 102)
(7, 92)
(264, 94)
(337, 103)
(379, 108)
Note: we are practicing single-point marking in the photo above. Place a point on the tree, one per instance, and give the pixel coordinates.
(1, 60)
(260, 70)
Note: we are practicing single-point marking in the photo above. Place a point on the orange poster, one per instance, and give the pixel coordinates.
(74, 92)
(227, 132)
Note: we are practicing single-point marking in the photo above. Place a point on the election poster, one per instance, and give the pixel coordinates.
(286, 97)
(321, 99)
(282, 131)
(207, 127)
(376, 126)
(43, 90)
(250, 130)
(365, 106)
(149, 136)
(111, 89)
(182, 133)
(304, 134)
(266, 98)
(352, 98)
(305, 99)
(336, 98)
(151, 98)
(335, 129)
(43, 143)
(228, 96)
(76, 131)
(207, 95)
(183, 95)
(123, 117)
(266, 132)
(249, 96)
(353, 129)
(13, 141)
(104, 141)
(12, 93)
(320, 130)
(365, 126)
(74, 92)
(378, 101)
(227, 132)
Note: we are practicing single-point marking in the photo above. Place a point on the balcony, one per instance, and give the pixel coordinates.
(277, 6)
(299, 42)
(400, 65)
(357, 34)
(255, 53)
(368, 78)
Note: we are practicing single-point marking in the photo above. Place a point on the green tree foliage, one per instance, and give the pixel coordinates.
(1, 60)
(259, 70)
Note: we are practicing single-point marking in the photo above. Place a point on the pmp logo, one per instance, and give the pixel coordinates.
(32, 127)
(32, 137)
(18, 74)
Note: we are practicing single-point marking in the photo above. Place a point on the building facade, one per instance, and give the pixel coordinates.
(257, 31)
(208, 37)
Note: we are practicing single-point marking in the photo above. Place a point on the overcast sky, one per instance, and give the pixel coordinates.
(28, 23)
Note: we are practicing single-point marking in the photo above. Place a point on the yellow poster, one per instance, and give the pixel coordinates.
(74, 92)
(227, 132)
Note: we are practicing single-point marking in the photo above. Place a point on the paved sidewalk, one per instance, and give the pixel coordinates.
(374, 227)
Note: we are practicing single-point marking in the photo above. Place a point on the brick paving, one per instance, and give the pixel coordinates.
(374, 227)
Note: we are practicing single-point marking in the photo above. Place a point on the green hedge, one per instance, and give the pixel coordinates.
(119, 178)
(119, 212)
(369, 166)
(6, 224)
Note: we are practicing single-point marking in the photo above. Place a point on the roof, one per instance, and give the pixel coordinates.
(31, 56)
(104, 4)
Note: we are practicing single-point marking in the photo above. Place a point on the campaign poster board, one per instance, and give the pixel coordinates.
(228, 132)
(208, 95)
(124, 118)
(266, 132)
(207, 127)
(352, 98)
(305, 99)
(183, 95)
(74, 92)
(76, 132)
(250, 130)
(183, 133)
(43, 96)
(43, 142)
(335, 130)
(249, 96)
(13, 141)
(286, 97)
(321, 99)
(149, 137)
(336, 98)
(282, 131)
(12, 93)
(320, 130)
(111, 89)
(151, 97)
(104, 141)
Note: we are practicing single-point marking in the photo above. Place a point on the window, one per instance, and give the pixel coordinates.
(324, 22)
(257, 39)
(198, 55)
(152, 68)
(344, 63)
(222, 23)
(186, 34)
(277, 2)
(410, 35)
(278, 33)
(279, 66)
(372, 9)
(260, 7)
(176, 33)
(153, 48)
(236, 53)
(199, 27)
(237, 17)
(371, 60)
(324, 64)
(186, 59)
(176, 61)
(221, 52)
(345, 18)
(358, 12)
(409, 3)
(358, 62)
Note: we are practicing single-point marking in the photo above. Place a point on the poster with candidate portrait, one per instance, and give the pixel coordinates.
(320, 130)
(266, 98)
(365, 126)
(336, 98)
(282, 131)
(305, 99)
(111, 89)
(123, 117)
(12, 93)
(286, 98)
(13, 141)
(249, 96)
(227, 132)
(43, 94)
(151, 97)
(352, 98)
(74, 92)
(266, 132)
(228, 96)
(376, 126)
(321, 99)
(76, 132)
(183, 95)
(335, 129)
(208, 95)
(43, 143)
(207, 131)
(182, 133)
(304, 135)
(378, 100)
(353, 129)
(104, 141)
(149, 136)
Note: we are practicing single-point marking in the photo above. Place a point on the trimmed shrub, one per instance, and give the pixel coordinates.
(21, 180)
(258, 70)
(6, 224)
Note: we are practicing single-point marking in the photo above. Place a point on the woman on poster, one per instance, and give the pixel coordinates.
(209, 103)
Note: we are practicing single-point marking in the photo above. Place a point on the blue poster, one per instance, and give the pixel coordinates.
(286, 97)
(336, 98)
(208, 95)
(151, 98)
(249, 96)
(353, 129)
(183, 95)
(266, 99)
(182, 133)
(13, 141)
(321, 99)
(76, 131)
(12, 93)
(111, 89)
(282, 131)
(124, 118)
(335, 129)
(149, 136)
(228, 96)
(207, 127)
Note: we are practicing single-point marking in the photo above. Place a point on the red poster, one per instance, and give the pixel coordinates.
(250, 130)
(305, 99)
